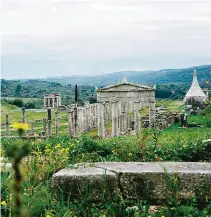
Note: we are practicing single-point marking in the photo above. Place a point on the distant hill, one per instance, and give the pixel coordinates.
(165, 76)
(171, 83)
(38, 88)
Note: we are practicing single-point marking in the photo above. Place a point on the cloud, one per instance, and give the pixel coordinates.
(104, 31)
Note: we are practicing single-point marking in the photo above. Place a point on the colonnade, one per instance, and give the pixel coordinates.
(124, 116)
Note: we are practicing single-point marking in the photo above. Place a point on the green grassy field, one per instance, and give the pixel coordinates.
(172, 105)
(49, 155)
(25, 100)
(36, 115)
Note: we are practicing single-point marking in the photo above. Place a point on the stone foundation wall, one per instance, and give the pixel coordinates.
(163, 119)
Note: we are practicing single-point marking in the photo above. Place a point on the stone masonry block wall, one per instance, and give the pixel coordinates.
(137, 180)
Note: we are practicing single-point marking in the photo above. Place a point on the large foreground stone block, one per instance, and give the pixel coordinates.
(158, 181)
(154, 181)
(86, 182)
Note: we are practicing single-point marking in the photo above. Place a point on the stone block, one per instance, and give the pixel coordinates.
(150, 181)
(138, 180)
(92, 183)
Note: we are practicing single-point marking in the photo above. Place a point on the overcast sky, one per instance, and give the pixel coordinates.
(43, 38)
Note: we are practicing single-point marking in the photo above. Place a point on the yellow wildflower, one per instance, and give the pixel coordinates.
(63, 150)
(58, 146)
(32, 143)
(39, 140)
(21, 126)
(47, 150)
(47, 216)
(3, 203)
(67, 149)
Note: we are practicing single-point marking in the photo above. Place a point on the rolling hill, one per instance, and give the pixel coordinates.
(165, 76)
(171, 83)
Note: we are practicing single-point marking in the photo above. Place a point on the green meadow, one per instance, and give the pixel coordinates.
(47, 156)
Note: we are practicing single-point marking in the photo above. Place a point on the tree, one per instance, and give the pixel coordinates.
(18, 102)
(92, 100)
(18, 90)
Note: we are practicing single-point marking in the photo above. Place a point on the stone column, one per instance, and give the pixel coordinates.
(119, 116)
(44, 101)
(121, 120)
(124, 117)
(49, 123)
(86, 117)
(93, 115)
(70, 123)
(89, 117)
(75, 121)
(53, 100)
(129, 122)
(96, 115)
(56, 101)
(101, 127)
(129, 106)
(79, 120)
(7, 124)
(140, 105)
(44, 126)
(23, 115)
(83, 119)
(152, 114)
(56, 124)
(114, 119)
(137, 117)
(59, 100)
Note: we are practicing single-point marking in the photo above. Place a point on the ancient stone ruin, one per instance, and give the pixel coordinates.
(137, 180)
(118, 112)
(125, 100)
(127, 92)
(52, 100)
(195, 98)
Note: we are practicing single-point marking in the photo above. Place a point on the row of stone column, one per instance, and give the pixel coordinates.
(52, 101)
(125, 117)
(82, 119)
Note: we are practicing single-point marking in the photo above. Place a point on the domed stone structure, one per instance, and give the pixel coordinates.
(195, 97)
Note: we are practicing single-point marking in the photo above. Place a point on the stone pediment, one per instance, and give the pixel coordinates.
(125, 87)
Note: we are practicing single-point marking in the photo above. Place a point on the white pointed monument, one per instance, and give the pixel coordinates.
(195, 97)
(124, 80)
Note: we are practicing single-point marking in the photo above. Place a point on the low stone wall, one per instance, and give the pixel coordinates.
(163, 119)
(137, 180)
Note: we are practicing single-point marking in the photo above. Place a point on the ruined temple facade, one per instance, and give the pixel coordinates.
(195, 97)
(52, 100)
(126, 92)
